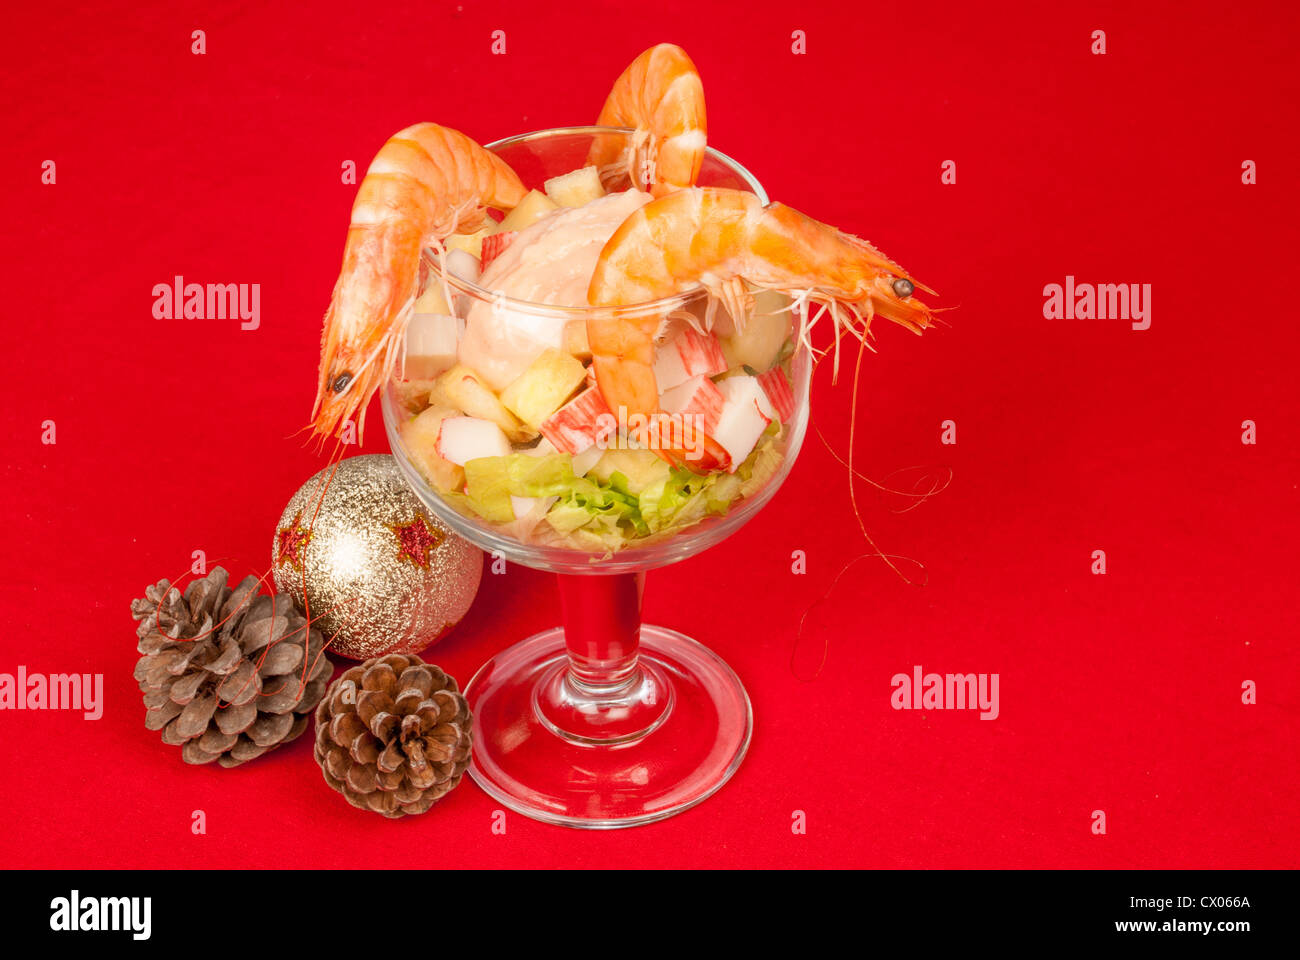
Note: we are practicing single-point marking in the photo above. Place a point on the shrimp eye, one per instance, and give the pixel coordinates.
(903, 287)
(341, 382)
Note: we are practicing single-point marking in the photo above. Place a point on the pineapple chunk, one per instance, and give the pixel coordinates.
(576, 188)
(765, 333)
(432, 300)
(437, 396)
(532, 208)
(421, 438)
(575, 340)
(413, 394)
(542, 389)
(471, 243)
(466, 391)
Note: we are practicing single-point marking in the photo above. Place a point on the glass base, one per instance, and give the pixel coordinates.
(562, 751)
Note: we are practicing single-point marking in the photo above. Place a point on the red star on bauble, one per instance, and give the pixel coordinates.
(291, 540)
(416, 540)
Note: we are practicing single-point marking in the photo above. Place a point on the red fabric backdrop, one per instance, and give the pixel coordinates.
(1120, 693)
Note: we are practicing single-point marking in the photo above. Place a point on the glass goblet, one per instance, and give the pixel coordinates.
(604, 721)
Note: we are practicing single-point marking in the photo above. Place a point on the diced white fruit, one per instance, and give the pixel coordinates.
(697, 397)
(688, 354)
(463, 439)
(742, 421)
(463, 265)
(466, 390)
(575, 189)
(531, 208)
(471, 243)
(578, 424)
(541, 389)
(432, 340)
(420, 435)
(584, 461)
(765, 332)
(529, 512)
(543, 448)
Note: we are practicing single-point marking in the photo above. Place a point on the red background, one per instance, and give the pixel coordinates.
(1119, 693)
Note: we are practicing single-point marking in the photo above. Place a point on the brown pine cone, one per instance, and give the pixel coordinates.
(224, 669)
(393, 735)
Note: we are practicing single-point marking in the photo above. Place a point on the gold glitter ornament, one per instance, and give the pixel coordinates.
(374, 571)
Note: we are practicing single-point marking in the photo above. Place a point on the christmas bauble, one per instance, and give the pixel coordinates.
(365, 560)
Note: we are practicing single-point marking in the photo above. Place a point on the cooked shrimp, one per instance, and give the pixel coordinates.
(660, 96)
(722, 238)
(425, 183)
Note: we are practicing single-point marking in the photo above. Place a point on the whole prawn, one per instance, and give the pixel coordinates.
(661, 97)
(425, 183)
(721, 238)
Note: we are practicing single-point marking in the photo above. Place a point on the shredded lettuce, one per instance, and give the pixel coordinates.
(602, 512)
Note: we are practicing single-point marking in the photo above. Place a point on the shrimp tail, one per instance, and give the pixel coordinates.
(660, 96)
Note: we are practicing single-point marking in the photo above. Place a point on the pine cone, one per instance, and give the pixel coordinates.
(223, 669)
(393, 735)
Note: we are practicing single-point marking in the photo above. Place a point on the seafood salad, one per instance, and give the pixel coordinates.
(603, 361)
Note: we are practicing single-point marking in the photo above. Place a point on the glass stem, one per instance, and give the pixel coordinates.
(602, 628)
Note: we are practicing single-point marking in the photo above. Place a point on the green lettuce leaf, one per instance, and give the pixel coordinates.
(490, 482)
(602, 513)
